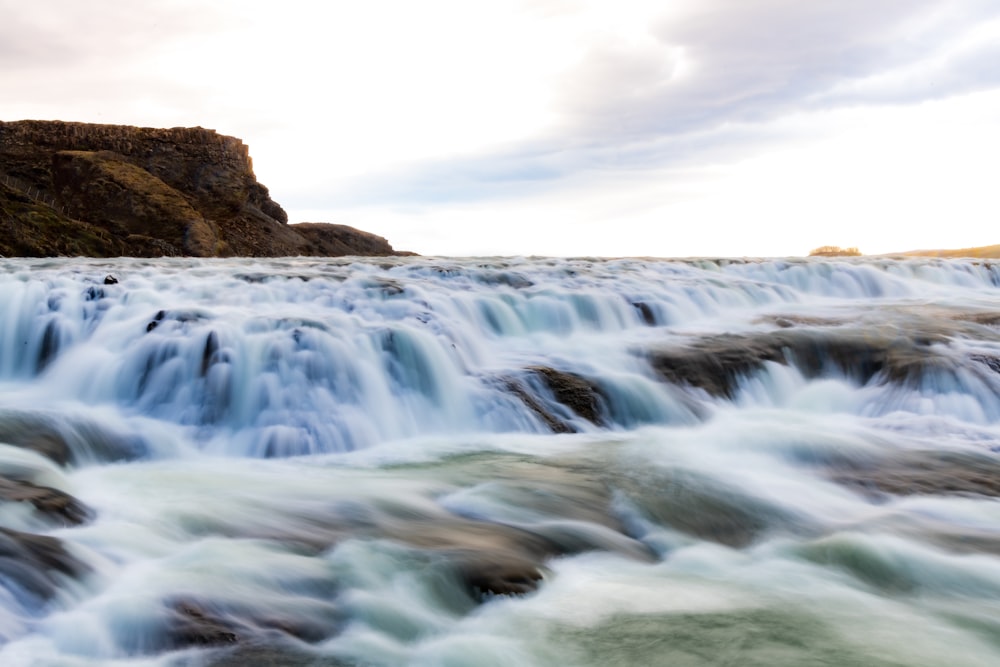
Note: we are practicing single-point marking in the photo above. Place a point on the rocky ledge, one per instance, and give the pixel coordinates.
(113, 190)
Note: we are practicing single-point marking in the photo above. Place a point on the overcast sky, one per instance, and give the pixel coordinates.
(559, 127)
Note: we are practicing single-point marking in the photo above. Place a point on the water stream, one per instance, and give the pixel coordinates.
(494, 462)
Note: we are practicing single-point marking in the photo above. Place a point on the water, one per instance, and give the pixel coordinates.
(535, 462)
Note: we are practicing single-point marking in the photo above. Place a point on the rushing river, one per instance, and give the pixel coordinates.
(494, 463)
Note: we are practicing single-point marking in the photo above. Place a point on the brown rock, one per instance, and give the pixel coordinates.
(923, 473)
(333, 240)
(718, 363)
(53, 503)
(130, 200)
(574, 391)
(36, 562)
(106, 190)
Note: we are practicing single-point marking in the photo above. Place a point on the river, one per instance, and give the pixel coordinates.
(494, 462)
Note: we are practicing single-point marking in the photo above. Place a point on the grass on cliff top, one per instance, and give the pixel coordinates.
(28, 229)
(980, 252)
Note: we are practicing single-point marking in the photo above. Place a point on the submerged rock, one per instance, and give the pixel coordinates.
(36, 563)
(574, 391)
(923, 473)
(554, 423)
(717, 364)
(54, 504)
(273, 654)
(191, 625)
(192, 622)
(65, 440)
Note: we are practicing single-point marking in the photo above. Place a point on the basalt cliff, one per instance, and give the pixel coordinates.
(81, 189)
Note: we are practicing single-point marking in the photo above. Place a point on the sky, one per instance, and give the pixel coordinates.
(559, 127)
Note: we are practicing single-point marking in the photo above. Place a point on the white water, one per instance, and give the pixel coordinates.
(320, 444)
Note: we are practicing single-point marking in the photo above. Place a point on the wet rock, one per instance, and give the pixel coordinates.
(923, 473)
(110, 280)
(36, 564)
(56, 505)
(645, 312)
(509, 278)
(555, 424)
(991, 362)
(192, 622)
(210, 352)
(273, 654)
(50, 345)
(703, 508)
(65, 440)
(485, 576)
(192, 625)
(577, 393)
(789, 321)
(36, 435)
(717, 364)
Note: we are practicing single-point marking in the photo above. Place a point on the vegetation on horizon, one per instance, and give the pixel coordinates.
(980, 252)
(834, 251)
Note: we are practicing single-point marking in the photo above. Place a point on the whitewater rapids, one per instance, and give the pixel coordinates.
(495, 462)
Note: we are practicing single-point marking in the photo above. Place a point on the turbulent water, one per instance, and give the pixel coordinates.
(532, 462)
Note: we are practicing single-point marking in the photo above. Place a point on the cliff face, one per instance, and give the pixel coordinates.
(106, 190)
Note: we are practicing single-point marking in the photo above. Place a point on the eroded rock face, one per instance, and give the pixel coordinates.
(108, 190)
(131, 201)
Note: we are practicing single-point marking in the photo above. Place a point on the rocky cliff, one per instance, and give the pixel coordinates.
(108, 190)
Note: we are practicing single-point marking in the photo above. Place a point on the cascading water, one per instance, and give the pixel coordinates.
(478, 462)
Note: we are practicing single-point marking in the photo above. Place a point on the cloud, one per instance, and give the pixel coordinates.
(103, 61)
(712, 80)
(731, 61)
(48, 33)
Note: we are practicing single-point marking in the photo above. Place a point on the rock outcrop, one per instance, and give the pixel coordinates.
(109, 190)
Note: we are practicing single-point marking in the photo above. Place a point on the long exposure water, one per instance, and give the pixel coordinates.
(495, 462)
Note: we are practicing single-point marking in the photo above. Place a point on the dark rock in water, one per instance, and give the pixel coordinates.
(195, 623)
(703, 508)
(73, 440)
(191, 625)
(36, 563)
(273, 654)
(53, 503)
(574, 391)
(991, 362)
(110, 280)
(49, 347)
(789, 321)
(210, 352)
(923, 473)
(645, 312)
(36, 435)
(555, 424)
(484, 577)
(717, 364)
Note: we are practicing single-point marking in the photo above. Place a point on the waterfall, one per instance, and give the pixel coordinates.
(499, 461)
